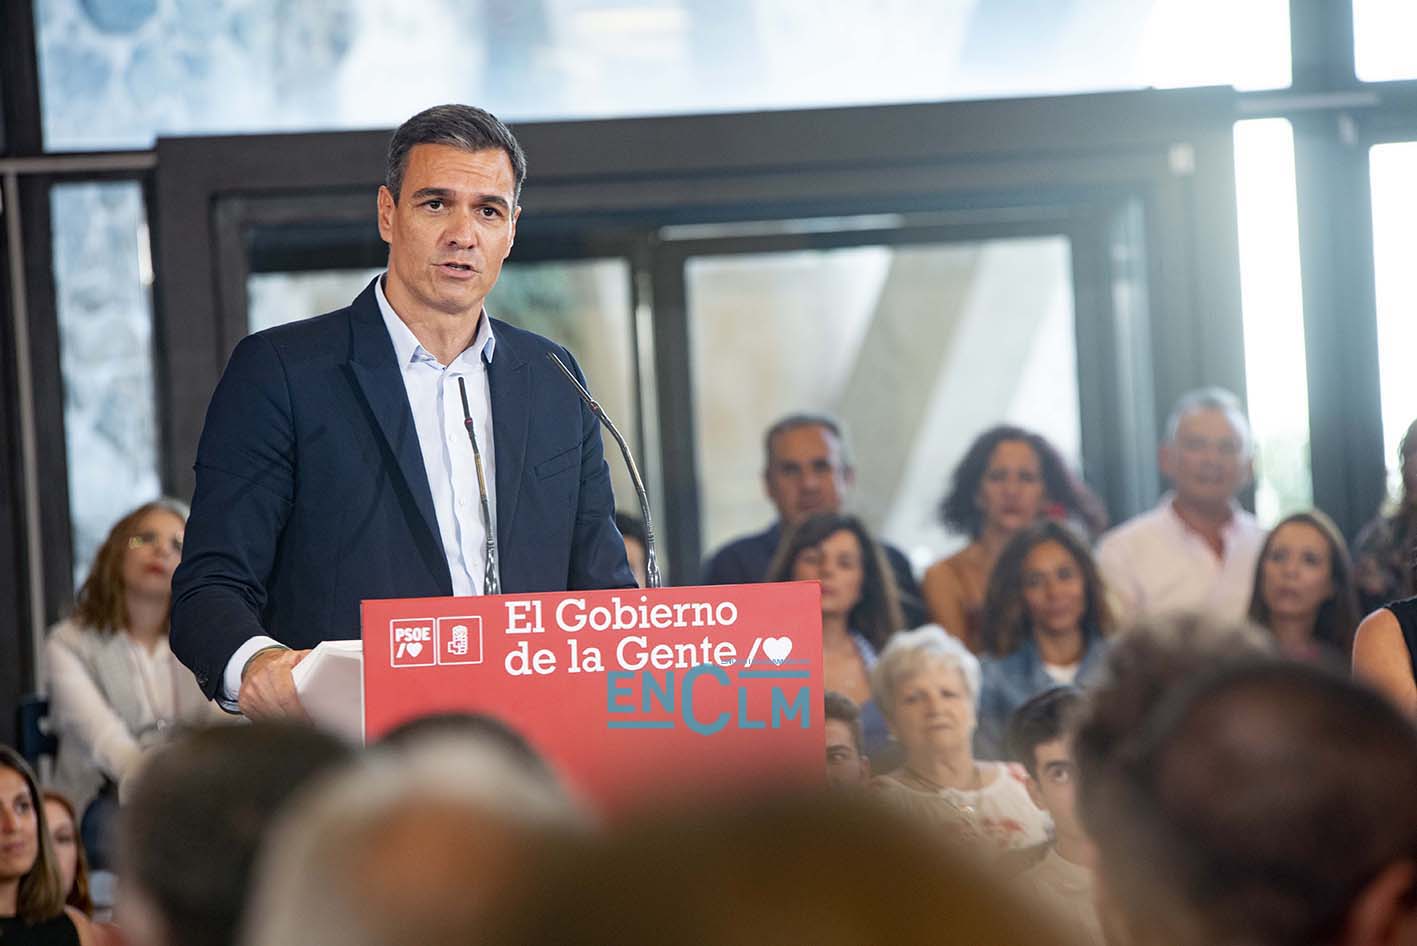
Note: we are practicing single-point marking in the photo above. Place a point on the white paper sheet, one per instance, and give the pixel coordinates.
(330, 683)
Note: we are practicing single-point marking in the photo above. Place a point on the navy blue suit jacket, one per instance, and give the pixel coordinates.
(311, 493)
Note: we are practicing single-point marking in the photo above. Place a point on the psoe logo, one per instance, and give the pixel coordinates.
(460, 640)
(411, 643)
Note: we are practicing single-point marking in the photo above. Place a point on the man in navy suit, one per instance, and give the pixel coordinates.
(336, 462)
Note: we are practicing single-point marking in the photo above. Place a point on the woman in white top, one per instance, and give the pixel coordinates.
(927, 683)
(114, 686)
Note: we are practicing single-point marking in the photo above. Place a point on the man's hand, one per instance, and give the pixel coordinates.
(267, 688)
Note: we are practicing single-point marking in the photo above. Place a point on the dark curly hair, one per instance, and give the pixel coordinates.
(960, 510)
(1006, 621)
(877, 615)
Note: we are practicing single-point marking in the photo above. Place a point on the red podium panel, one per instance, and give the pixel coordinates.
(631, 695)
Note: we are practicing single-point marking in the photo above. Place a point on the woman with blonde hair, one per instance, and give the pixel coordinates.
(68, 851)
(115, 687)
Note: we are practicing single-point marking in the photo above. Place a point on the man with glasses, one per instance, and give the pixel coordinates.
(1197, 550)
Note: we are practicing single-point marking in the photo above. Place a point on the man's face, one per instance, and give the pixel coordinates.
(806, 473)
(846, 766)
(1055, 788)
(449, 231)
(1208, 462)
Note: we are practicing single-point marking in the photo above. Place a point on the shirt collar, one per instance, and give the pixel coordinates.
(1169, 510)
(407, 348)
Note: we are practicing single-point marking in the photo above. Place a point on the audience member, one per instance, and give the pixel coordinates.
(1009, 479)
(1385, 652)
(114, 686)
(414, 844)
(632, 530)
(69, 854)
(1142, 666)
(1040, 739)
(828, 870)
(807, 471)
(1265, 803)
(927, 682)
(860, 610)
(1304, 592)
(1196, 551)
(1382, 553)
(196, 815)
(32, 907)
(1046, 621)
(482, 729)
(847, 764)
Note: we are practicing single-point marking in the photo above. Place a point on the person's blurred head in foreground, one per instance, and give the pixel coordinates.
(1267, 803)
(1143, 665)
(847, 765)
(196, 815)
(68, 851)
(1040, 738)
(411, 845)
(777, 871)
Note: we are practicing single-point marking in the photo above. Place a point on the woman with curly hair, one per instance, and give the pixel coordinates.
(1009, 479)
(1046, 624)
(1382, 553)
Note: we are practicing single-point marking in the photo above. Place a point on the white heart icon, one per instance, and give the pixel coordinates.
(415, 648)
(777, 648)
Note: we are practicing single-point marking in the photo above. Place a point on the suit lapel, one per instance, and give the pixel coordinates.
(509, 382)
(373, 364)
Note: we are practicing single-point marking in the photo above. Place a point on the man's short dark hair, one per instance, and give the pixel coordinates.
(631, 527)
(1044, 718)
(199, 811)
(1261, 800)
(794, 421)
(477, 726)
(843, 710)
(458, 126)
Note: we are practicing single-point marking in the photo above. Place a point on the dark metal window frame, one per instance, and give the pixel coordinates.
(622, 181)
(1335, 118)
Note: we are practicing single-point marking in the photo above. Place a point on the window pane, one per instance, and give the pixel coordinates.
(1393, 169)
(583, 305)
(103, 280)
(917, 349)
(1275, 375)
(117, 74)
(1383, 34)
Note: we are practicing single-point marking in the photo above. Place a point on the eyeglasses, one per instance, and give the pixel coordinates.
(144, 539)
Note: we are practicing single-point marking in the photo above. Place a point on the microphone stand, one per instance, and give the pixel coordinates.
(652, 578)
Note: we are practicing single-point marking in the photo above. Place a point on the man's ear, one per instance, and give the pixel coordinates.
(386, 213)
(1385, 912)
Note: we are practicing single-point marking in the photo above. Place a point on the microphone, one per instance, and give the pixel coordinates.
(491, 580)
(652, 579)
